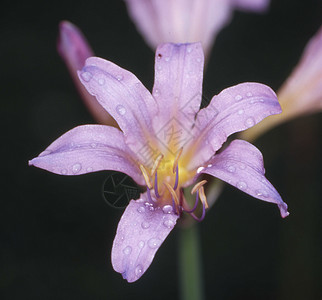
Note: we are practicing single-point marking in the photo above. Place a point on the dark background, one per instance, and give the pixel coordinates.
(56, 232)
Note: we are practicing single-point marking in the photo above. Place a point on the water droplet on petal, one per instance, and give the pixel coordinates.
(63, 172)
(101, 81)
(119, 77)
(241, 185)
(139, 271)
(86, 76)
(261, 193)
(127, 250)
(167, 58)
(154, 243)
(93, 145)
(249, 94)
(168, 224)
(198, 59)
(242, 166)
(89, 169)
(121, 110)
(231, 169)
(141, 244)
(145, 225)
(189, 49)
(241, 111)
(238, 97)
(156, 92)
(159, 67)
(76, 168)
(250, 122)
(199, 169)
(209, 166)
(141, 209)
(167, 209)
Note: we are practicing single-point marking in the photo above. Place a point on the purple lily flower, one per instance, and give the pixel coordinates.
(165, 143)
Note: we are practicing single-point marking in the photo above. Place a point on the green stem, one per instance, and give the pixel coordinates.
(190, 268)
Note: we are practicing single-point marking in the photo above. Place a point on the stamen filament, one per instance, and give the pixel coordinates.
(146, 177)
(176, 160)
(198, 186)
(196, 204)
(156, 164)
(177, 178)
(156, 185)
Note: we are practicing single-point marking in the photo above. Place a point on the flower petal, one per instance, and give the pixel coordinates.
(86, 149)
(241, 165)
(74, 49)
(140, 232)
(301, 94)
(123, 96)
(234, 109)
(178, 81)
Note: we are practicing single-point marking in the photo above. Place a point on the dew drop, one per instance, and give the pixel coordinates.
(141, 209)
(261, 193)
(167, 58)
(87, 76)
(241, 185)
(93, 145)
(139, 271)
(209, 166)
(101, 81)
(119, 77)
(127, 250)
(63, 172)
(250, 122)
(89, 169)
(168, 224)
(242, 166)
(141, 244)
(154, 243)
(167, 209)
(159, 68)
(189, 49)
(121, 110)
(199, 169)
(145, 225)
(151, 208)
(249, 94)
(156, 92)
(76, 168)
(241, 111)
(198, 59)
(238, 97)
(231, 169)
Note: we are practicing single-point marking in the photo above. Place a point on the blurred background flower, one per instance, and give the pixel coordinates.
(56, 232)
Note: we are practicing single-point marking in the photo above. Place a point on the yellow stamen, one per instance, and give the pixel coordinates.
(146, 177)
(176, 160)
(198, 186)
(203, 197)
(156, 164)
(174, 195)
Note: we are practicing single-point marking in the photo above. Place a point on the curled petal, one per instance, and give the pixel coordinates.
(301, 94)
(123, 96)
(234, 109)
(140, 232)
(241, 165)
(178, 82)
(86, 149)
(74, 49)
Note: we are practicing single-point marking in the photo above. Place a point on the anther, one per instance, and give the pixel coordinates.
(198, 186)
(156, 164)
(146, 177)
(174, 195)
(176, 159)
(203, 197)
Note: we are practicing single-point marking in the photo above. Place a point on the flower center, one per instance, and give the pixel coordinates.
(165, 180)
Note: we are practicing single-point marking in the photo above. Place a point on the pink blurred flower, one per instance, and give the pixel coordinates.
(186, 21)
(301, 94)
